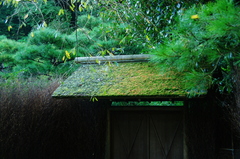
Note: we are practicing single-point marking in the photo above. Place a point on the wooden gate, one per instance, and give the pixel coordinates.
(146, 135)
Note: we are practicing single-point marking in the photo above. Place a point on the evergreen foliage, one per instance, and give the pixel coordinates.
(48, 36)
(42, 55)
(45, 50)
(7, 54)
(97, 37)
(204, 46)
(89, 22)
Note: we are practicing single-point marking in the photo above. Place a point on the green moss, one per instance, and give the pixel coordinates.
(125, 79)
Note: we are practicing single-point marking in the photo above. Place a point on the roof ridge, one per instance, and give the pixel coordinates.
(113, 58)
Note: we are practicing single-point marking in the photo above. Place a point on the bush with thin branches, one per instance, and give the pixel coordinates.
(34, 125)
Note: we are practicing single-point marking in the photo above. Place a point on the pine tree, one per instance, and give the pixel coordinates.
(204, 47)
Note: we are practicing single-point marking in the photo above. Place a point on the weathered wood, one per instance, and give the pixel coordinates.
(146, 134)
(116, 58)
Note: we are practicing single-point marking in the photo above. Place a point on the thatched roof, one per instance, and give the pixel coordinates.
(135, 80)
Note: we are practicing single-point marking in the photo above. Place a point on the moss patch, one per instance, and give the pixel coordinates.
(124, 79)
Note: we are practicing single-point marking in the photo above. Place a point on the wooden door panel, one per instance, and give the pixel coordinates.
(128, 136)
(166, 139)
(146, 135)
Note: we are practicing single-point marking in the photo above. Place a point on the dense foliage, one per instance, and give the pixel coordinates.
(21, 59)
(49, 49)
(41, 38)
(149, 21)
(18, 21)
(207, 35)
(80, 28)
(204, 46)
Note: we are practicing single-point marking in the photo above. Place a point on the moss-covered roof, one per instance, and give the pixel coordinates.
(127, 80)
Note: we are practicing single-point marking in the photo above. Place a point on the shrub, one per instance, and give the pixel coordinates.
(50, 36)
(87, 21)
(47, 52)
(34, 125)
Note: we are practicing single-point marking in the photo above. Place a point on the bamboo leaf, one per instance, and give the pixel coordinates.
(72, 8)
(100, 45)
(147, 37)
(98, 62)
(9, 28)
(89, 16)
(67, 54)
(32, 34)
(44, 24)
(80, 8)
(73, 1)
(61, 12)
(26, 16)
(73, 51)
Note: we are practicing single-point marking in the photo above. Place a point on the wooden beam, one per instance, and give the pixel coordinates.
(116, 58)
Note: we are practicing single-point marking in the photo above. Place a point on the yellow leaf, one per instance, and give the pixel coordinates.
(73, 51)
(148, 21)
(97, 61)
(84, 4)
(103, 53)
(44, 24)
(100, 45)
(111, 54)
(9, 28)
(93, 99)
(15, 2)
(73, 1)
(26, 16)
(63, 58)
(67, 54)
(32, 34)
(89, 16)
(72, 8)
(147, 37)
(108, 51)
(195, 16)
(80, 8)
(123, 40)
(61, 12)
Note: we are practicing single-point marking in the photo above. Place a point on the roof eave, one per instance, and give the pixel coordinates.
(133, 98)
